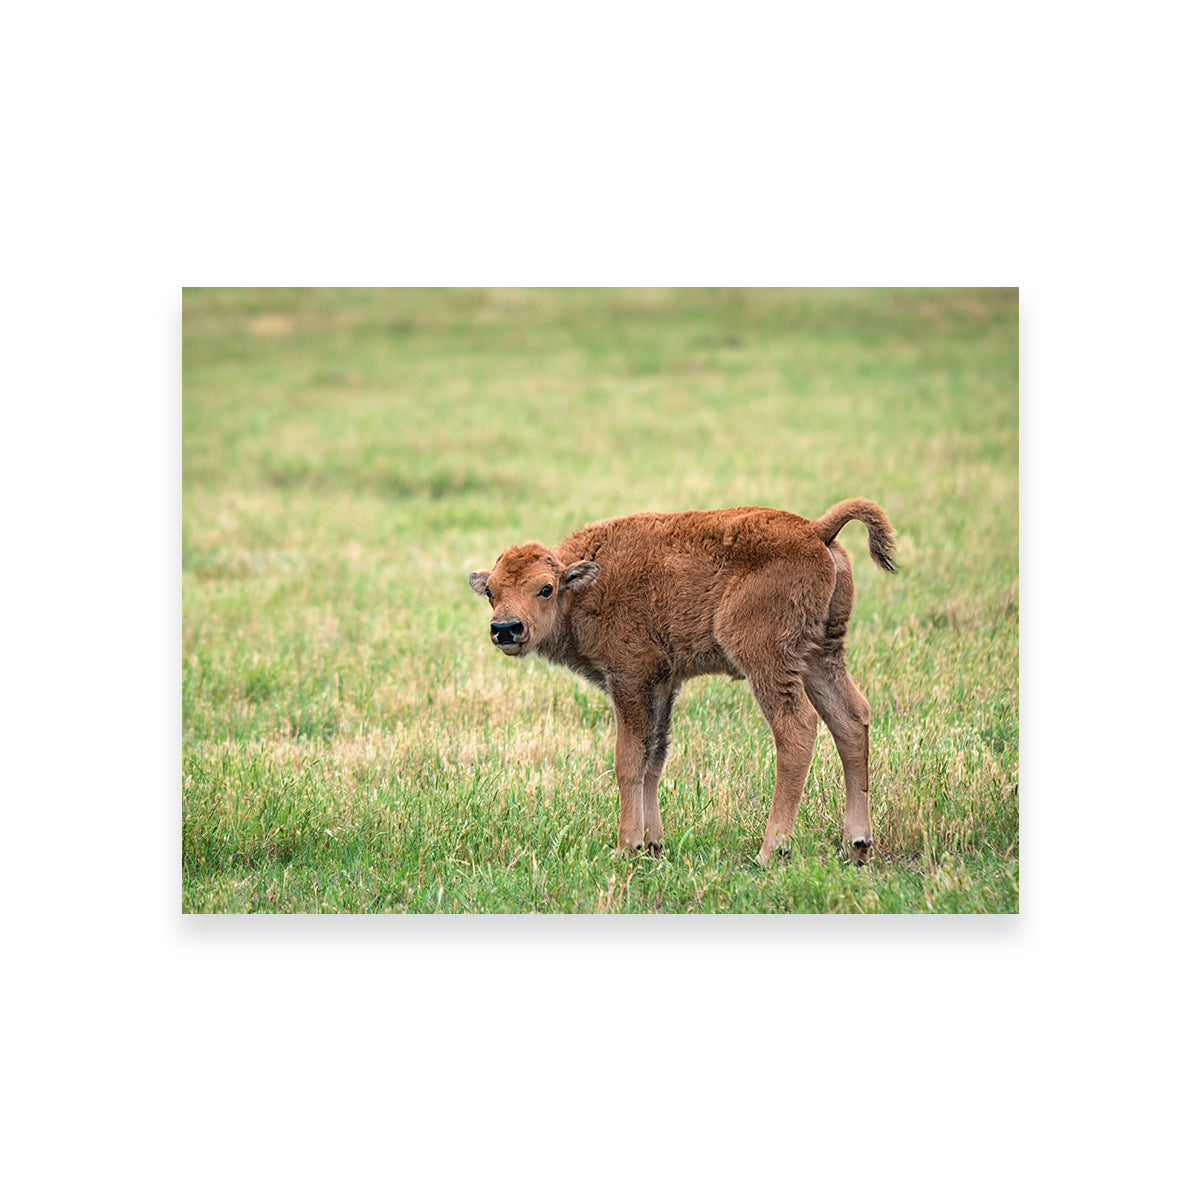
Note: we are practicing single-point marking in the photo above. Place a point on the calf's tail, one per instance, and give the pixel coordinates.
(881, 537)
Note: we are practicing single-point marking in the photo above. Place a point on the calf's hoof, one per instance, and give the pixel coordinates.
(859, 850)
(654, 849)
(781, 851)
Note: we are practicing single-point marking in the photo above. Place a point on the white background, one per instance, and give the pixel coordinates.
(1047, 146)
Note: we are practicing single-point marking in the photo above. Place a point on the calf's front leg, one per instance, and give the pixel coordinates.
(632, 731)
(659, 698)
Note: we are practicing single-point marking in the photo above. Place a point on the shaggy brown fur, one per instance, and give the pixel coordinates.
(638, 604)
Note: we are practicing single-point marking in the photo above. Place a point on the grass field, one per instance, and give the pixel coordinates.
(353, 743)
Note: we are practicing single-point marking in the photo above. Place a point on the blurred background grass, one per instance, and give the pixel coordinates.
(350, 454)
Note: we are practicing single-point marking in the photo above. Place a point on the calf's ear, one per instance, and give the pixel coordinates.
(478, 581)
(580, 575)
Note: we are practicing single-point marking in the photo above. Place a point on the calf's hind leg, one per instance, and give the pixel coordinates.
(793, 722)
(843, 707)
(845, 710)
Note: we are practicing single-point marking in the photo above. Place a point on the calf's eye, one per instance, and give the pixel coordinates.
(547, 591)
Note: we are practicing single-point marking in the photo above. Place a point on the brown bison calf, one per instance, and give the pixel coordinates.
(638, 604)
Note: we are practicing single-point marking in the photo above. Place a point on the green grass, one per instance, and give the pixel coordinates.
(353, 743)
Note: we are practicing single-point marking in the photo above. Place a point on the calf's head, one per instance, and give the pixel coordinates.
(526, 590)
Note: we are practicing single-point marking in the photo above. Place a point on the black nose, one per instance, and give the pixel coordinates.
(505, 633)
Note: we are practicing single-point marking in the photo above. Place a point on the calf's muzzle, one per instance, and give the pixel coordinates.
(507, 633)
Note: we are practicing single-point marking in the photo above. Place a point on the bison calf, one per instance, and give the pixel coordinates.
(638, 604)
